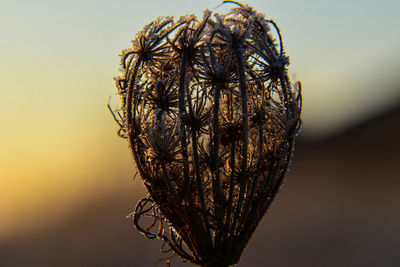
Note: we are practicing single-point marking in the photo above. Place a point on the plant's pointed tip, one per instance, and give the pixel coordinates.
(230, 2)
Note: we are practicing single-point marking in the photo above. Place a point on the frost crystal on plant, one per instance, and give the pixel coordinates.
(211, 118)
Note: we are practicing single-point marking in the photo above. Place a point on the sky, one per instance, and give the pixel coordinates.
(57, 63)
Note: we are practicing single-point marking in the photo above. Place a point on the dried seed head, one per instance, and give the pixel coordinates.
(211, 117)
(162, 141)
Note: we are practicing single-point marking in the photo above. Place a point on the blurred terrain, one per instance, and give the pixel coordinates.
(339, 206)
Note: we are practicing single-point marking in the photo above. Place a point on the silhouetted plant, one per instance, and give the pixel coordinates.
(211, 118)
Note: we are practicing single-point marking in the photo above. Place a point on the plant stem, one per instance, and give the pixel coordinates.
(217, 187)
(245, 137)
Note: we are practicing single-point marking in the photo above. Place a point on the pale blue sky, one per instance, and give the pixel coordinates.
(344, 52)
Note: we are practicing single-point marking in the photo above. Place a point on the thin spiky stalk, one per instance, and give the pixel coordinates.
(245, 140)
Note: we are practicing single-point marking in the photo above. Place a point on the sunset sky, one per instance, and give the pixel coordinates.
(57, 63)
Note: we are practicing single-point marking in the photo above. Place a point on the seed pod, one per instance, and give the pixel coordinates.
(211, 118)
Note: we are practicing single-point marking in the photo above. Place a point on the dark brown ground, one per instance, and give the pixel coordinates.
(339, 207)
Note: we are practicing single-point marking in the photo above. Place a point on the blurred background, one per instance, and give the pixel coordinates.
(66, 179)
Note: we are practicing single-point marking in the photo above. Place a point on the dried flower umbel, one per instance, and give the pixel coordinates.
(211, 118)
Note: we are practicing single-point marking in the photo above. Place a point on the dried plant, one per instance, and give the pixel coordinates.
(211, 118)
